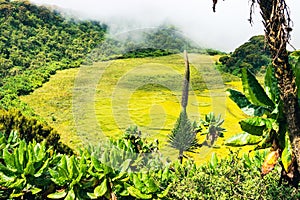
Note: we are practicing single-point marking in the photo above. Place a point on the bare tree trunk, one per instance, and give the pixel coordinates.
(186, 83)
(275, 14)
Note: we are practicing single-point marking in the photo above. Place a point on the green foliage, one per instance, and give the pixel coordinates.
(251, 55)
(150, 184)
(33, 171)
(30, 128)
(68, 173)
(23, 167)
(212, 125)
(267, 126)
(183, 136)
(254, 91)
(242, 139)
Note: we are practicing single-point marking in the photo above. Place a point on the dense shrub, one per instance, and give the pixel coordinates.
(234, 177)
(30, 128)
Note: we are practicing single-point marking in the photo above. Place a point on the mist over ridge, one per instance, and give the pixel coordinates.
(224, 30)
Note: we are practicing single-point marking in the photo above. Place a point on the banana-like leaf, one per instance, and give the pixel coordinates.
(271, 85)
(40, 151)
(254, 125)
(243, 139)
(17, 162)
(73, 170)
(92, 195)
(254, 91)
(245, 105)
(16, 195)
(57, 177)
(18, 184)
(96, 163)
(121, 176)
(287, 153)
(137, 193)
(266, 141)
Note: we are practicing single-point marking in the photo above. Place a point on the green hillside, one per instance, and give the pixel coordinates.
(253, 55)
(100, 101)
(35, 42)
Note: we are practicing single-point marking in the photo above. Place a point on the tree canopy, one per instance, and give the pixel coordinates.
(251, 55)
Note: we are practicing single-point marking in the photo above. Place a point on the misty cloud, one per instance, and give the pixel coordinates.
(224, 30)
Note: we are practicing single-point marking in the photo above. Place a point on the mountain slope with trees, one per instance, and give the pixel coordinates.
(251, 55)
(35, 42)
(160, 41)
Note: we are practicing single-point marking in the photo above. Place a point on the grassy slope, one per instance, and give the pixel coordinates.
(110, 96)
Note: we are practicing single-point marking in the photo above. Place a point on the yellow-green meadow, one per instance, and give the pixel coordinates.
(92, 102)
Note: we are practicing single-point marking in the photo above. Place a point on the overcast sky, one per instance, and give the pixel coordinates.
(224, 30)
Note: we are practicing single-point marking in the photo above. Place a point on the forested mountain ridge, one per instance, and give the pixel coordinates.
(151, 42)
(32, 36)
(35, 42)
(251, 55)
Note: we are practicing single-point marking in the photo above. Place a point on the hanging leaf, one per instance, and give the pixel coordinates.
(287, 153)
(266, 141)
(254, 91)
(243, 139)
(245, 105)
(254, 125)
(269, 162)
